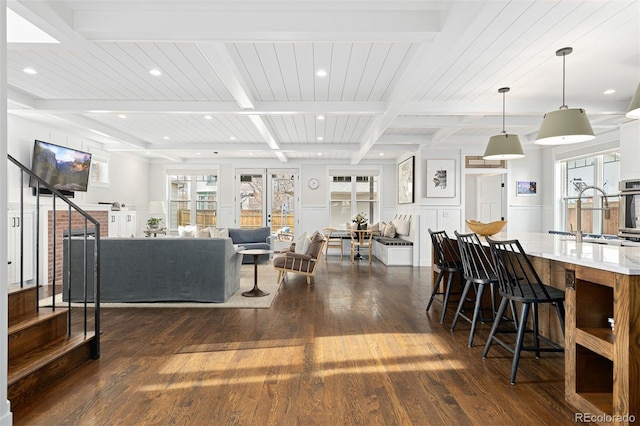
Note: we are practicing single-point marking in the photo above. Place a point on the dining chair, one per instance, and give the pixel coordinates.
(361, 239)
(448, 262)
(332, 242)
(519, 282)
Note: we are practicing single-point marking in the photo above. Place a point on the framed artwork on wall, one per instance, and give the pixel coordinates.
(526, 187)
(405, 181)
(441, 178)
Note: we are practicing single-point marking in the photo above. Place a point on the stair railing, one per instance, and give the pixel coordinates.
(71, 207)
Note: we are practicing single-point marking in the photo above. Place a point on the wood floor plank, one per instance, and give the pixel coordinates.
(354, 347)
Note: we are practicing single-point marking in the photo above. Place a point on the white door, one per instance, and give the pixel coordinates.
(490, 198)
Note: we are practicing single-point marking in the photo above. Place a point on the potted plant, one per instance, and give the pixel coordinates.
(154, 223)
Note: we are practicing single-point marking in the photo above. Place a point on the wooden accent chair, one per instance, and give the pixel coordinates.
(332, 242)
(301, 263)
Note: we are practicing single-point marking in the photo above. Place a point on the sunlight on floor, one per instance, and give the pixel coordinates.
(277, 360)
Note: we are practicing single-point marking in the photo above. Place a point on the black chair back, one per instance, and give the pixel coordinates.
(445, 252)
(516, 275)
(476, 263)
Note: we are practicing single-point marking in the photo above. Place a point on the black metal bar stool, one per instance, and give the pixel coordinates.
(520, 283)
(448, 262)
(478, 272)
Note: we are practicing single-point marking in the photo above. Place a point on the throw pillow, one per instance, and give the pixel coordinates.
(302, 244)
(375, 228)
(390, 231)
(402, 226)
(353, 226)
(186, 231)
(203, 233)
(219, 233)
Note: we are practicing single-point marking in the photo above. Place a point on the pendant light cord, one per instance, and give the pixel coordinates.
(503, 109)
(564, 56)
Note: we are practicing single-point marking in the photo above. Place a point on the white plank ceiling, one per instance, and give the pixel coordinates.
(239, 79)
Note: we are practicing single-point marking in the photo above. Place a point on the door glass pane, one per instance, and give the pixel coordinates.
(206, 204)
(282, 202)
(179, 201)
(251, 201)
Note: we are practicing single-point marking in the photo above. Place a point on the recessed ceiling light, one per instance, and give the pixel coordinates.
(251, 153)
(609, 91)
(166, 138)
(321, 73)
(122, 116)
(208, 117)
(382, 153)
(155, 72)
(233, 138)
(319, 154)
(30, 71)
(320, 117)
(320, 138)
(197, 153)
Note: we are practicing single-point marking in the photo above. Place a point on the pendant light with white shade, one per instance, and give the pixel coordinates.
(503, 146)
(634, 108)
(565, 125)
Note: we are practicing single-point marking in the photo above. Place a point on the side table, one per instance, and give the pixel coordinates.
(255, 291)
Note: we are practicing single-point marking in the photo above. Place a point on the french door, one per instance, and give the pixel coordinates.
(266, 197)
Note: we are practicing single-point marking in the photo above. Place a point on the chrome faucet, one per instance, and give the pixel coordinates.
(579, 208)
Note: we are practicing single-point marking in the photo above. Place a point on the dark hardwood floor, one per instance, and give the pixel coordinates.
(354, 347)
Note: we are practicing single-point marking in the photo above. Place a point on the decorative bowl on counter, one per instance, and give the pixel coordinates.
(485, 229)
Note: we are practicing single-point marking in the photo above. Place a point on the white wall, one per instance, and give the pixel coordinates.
(630, 150)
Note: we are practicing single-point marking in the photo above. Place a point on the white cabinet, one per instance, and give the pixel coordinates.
(20, 226)
(122, 223)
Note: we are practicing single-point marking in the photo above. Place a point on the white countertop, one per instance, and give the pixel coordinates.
(624, 260)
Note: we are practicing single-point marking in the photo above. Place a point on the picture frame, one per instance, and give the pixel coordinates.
(526, 188)
(441, 178)
(405, 181)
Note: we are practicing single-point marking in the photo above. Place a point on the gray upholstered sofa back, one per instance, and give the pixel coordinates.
(258, 238)
(158, 269)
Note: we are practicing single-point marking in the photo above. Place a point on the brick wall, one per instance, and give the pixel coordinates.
(62, 225)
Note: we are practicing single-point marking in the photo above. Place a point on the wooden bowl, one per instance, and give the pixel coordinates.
(485, 229)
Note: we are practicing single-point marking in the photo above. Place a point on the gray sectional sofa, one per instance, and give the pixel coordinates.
(157, 269)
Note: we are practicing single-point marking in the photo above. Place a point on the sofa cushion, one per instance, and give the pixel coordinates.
(242, 236)
(316, 244)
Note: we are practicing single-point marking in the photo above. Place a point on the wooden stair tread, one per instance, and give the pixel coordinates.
(29, 320)
(35, 360)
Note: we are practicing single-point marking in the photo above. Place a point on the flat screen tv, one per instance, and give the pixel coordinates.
(66, 169)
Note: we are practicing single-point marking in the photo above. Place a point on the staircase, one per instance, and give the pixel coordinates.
(45, 343)
(40, 350)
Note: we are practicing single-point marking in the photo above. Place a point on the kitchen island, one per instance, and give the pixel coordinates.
(602, 365)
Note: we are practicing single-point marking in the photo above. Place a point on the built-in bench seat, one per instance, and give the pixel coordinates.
(397, 251)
